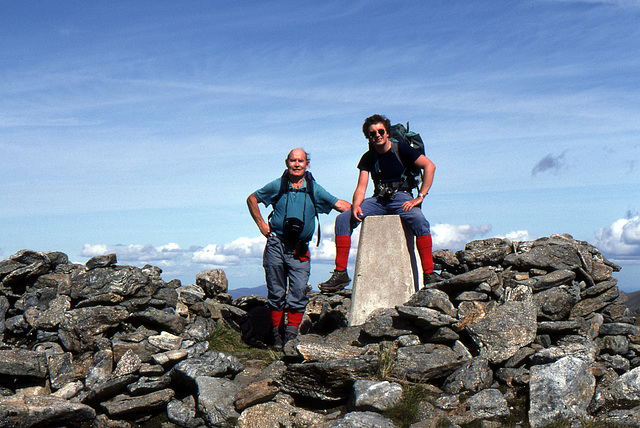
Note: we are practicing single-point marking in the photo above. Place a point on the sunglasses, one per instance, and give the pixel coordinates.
(381, 132)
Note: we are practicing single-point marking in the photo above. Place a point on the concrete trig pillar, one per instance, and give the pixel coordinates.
(386, 272)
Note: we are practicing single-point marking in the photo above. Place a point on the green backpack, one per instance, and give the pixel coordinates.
(398, 132)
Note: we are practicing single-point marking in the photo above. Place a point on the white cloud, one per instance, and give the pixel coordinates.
(620, 240)
(519, 235)
(455, 236)
(89, 250)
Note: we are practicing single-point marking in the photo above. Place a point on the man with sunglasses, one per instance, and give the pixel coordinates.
(392, 195)
(288, 231)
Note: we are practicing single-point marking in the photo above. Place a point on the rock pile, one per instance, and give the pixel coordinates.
(515, 333)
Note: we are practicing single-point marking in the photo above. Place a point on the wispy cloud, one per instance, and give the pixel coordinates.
(550, 163)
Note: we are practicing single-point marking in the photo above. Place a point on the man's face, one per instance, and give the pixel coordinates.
(297, 163)
(378, 134)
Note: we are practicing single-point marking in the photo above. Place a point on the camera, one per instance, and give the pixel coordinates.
(386, 192)
(292, 228)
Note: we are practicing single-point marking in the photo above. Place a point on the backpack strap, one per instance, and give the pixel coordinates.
(284, 188)
(375, 174)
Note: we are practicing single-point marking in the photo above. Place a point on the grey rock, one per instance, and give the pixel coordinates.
(40, 411)
(145, 384)
(546, 254)
(472, 296)
(426, 317)
(215, 400)
(129, 363)
(375, 396)
(329, 380)
(124, 405)
(619, 329)
(386, 323)
(210, 364)
(424, 362)
(550, 280)
(470, 280)
(504, 330)
(558, 326)
(183, 414)
(594, 304)
(255, 393)
(213, 282)
(473, 376)
(485, 252)
(555, 304)
(61, 370)
(363, 420)
(488, 404)
(162, 319)
(279, 414)
(316, 348)
(23, 363)
(513, 376)
(80, 328)
(101, 261)
(101, 370)
(562, 389)
(435, 299)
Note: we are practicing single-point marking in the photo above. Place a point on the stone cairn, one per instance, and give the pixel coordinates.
(515, 334)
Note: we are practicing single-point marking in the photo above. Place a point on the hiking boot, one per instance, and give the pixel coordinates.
(277, 339)
(339, 279)
(290, 333)
(431, 278)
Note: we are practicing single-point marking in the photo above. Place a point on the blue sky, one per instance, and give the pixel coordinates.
(140, 128)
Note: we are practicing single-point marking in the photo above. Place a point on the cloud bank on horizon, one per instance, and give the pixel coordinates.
(620, 241)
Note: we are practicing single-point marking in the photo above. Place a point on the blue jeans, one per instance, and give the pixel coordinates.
(280, 268)
(414, 218)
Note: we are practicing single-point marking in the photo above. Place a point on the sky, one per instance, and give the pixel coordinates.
(140, 128)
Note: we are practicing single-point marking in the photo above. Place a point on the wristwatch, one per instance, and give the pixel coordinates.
(420, 194)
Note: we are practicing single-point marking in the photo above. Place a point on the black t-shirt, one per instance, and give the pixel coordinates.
(390, 167)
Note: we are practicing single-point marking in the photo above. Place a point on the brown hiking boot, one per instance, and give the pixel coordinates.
(339, 279)
(431, 278)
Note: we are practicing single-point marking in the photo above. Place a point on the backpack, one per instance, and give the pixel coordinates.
(284, 188)
(398, 132)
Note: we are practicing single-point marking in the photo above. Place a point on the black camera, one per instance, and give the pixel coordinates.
(292, 229)
(386, 192)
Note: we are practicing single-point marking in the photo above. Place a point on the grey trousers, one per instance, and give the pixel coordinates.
(286, 276)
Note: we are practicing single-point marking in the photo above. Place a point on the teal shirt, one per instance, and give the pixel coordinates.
(294, 203)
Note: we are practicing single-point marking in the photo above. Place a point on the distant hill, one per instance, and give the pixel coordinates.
(634, 301)
(260, 290)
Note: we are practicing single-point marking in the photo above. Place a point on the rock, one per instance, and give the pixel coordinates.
(215, 399)
(278, 415)
(41, 411)
(330, 380)
(258, 392)
(124, 405)
(101, 261)
(368, 395)
(560, 390)
(541, 321)
(504, 330)
(424, 362)
(473, 376)
(488, 404)
(213, 282)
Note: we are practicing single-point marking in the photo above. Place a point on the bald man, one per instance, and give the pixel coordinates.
(296, 199)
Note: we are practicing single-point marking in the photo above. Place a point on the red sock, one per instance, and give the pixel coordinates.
(423, 243)
(277, 319)
(343, 245)
(294, 318)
